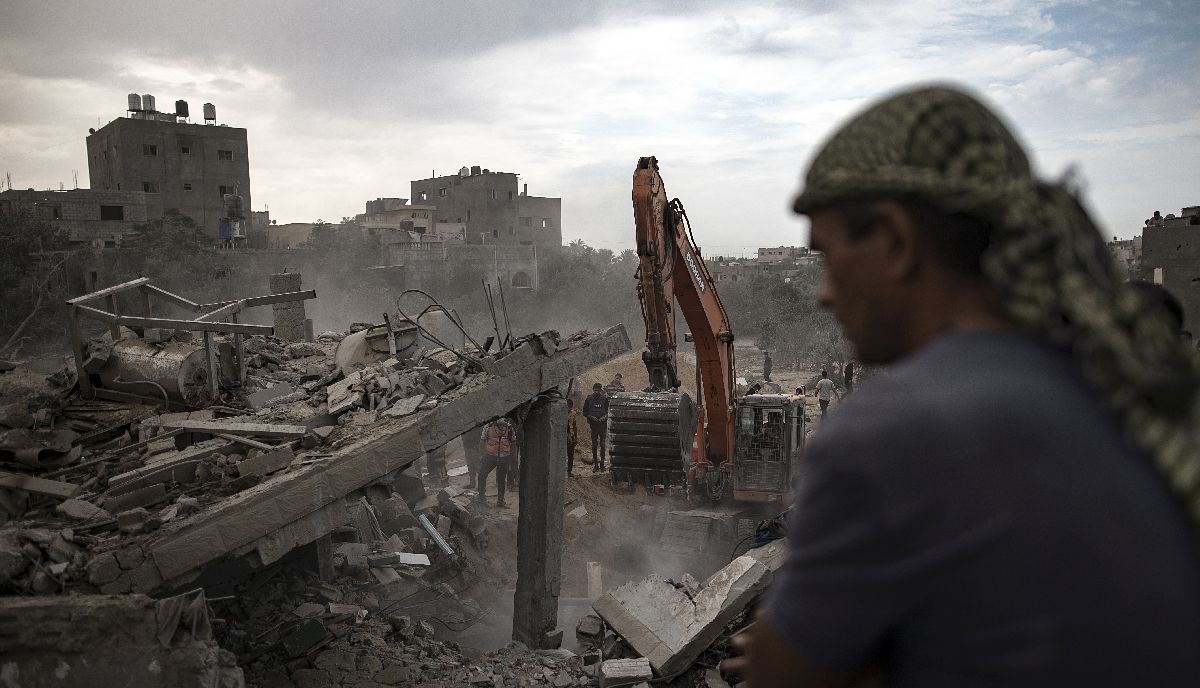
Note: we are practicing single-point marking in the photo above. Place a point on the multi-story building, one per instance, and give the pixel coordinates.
(177, 163)
(100, 218)
(783, 254)
(1171, 255)
(491, 209)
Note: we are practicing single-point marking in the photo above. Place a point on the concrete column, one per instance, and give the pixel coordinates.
(540, 526)
(289, 317)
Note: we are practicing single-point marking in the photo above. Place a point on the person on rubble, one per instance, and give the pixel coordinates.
(616, 385)
(595, 410)
(1017, 503)
(497, 444)
(826, 390)
(572, 434)
(766, 365)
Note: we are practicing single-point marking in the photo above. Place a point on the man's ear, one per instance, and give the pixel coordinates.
(903, 242)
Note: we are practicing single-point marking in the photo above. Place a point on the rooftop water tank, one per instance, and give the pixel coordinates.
(464, 171)
(135, 102)
(181, 108)
(475, 169)
(148, 103)
(210, 112)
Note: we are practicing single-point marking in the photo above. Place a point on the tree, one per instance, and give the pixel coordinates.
(173, 233)
(32, 254)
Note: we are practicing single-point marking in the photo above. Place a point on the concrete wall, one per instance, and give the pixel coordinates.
(539, 221)
(186, 165)
(1176, 250)
(79, 211)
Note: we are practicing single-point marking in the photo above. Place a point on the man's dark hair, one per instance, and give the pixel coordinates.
(597, 386)
(958, 238)
(824, 373)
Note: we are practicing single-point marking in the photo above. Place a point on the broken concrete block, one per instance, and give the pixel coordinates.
(130, 557)
(308, 609)
(590, 628)
(625, 670)
(103, 569)
(267, 463)
(308, 634)
(13, 561)
(712, 679)
(671, 629)
(141, 497)
(303, 350)
(394, 515)
(410, 487)
(135, 520)
(263, 397)
(79, 510)
(405, 407)
(59, 550)
(353, 554)
(386, 575)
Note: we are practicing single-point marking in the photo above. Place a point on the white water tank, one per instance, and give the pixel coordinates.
(464, 171)
(148, 103)
(135, 103)
(210, 112)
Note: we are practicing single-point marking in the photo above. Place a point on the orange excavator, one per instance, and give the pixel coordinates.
(725, 445)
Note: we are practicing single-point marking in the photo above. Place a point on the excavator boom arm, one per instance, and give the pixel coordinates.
(671, 271)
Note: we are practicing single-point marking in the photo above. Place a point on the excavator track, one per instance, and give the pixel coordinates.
(650, 437)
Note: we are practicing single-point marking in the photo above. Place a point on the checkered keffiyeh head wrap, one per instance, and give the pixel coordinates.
(1046, 263)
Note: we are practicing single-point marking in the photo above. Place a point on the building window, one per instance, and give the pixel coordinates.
(225, 155)
(511, 194)
(187, 187)
(424, 196)
(222, 190)
(186, 150)
(112, 212)
(512, 230)
(150, 187)
(468, 214)
(521, 280)
(442, 191)
(495, 234)
(56, 211)
(492, 193)
(149, 149)
(545, 222)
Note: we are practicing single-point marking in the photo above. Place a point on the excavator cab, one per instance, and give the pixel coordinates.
(769, 435)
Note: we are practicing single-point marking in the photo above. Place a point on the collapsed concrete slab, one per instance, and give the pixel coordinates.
(305, 500)
(671, 626)
(96, 641)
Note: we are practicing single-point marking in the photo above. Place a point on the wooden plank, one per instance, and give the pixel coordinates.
(96, 314)
(223, 312)
(28, 483)
(244, 440)
(260, 429)
(173, 298)
(195, 325)
(108, 291)
(266, 300)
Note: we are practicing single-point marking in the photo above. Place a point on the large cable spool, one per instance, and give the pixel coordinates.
(650, 436)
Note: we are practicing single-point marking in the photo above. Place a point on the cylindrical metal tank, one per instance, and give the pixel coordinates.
(176, 368)
(148, 103)
(181, 108)
(135, 103)
(234, 207)
(210, 111)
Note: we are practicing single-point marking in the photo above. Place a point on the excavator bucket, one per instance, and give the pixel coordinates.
(650, 436)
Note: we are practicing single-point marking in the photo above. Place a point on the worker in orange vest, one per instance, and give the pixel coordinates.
(498, 445)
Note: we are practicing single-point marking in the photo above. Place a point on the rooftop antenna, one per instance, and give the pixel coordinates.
(75, 176)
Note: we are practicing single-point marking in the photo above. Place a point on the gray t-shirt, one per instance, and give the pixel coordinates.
(825, 389)
(976, 518)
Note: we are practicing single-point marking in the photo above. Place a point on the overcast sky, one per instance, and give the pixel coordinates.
(346, 102)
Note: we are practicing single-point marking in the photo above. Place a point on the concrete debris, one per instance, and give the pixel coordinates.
(670, 625)
(618, 671)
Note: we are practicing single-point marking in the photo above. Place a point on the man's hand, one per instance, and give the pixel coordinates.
(768, 661)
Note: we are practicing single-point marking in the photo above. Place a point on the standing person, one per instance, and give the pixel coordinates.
(825, 392)
(572, 434)
(498, 444)
(848, 375)
(766, 365)
(595, 410)
(1017, 503)
(472, 453)
(514, 466)
(435, 465)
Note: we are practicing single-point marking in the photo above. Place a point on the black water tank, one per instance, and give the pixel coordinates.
(181, 108)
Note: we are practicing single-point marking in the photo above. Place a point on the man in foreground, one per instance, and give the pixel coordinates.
(1016, 502)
